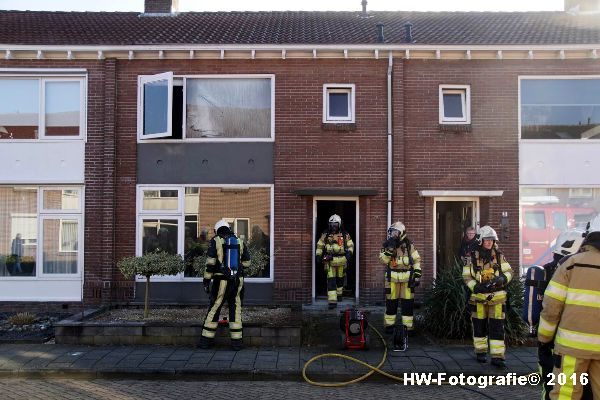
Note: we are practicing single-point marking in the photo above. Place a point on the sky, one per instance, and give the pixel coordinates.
(281, 5)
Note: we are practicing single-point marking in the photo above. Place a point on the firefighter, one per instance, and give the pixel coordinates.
(567, 243)
(334, 250)
(403, 274)
(487, 274)
(570, 318)
(224, 280)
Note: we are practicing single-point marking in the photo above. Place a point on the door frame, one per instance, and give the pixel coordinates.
(476, 220)
(356, 240)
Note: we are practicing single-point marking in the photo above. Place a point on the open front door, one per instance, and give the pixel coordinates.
(452, 217)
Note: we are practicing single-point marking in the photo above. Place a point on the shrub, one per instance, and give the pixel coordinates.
(446, 313)
(156, 263)
(23, 318)
(259, 260)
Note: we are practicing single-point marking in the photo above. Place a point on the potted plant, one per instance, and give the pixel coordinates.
(155, 263)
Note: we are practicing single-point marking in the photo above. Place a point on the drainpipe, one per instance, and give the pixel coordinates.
(389, 140)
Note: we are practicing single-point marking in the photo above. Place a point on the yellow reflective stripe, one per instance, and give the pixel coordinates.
(546, 328)
(480, 344)
(556, 291)
(211, 261)
(481, 311)
(207, 275)
(497, 348)
(219, 245)
(471, 284)
(568, 368)
(583, 297)
(578, 340)
(389, 320)
(498, 311)
(397, 276)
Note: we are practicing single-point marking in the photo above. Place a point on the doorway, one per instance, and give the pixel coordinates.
(347, 209)
(452, 217)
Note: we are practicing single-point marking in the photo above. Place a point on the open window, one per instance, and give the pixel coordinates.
(155, 101)
(455, 104)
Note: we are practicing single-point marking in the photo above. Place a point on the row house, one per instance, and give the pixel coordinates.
(124, 132)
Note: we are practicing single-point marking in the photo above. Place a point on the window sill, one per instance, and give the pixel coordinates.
(338, 127)
(456, 128)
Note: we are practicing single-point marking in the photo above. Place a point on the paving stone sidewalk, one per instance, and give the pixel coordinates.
(51, 360)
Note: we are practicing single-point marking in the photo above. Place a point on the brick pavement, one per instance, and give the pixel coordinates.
(252, 363)
(18, 389)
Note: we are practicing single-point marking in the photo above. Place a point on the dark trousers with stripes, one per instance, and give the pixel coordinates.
(230, 290)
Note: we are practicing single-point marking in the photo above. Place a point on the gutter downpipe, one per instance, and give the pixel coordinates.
(389, 140)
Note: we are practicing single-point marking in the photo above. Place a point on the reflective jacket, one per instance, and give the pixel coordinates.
(398, 261)
(571, 307)
(335, 245)
(214, 258)
(478, 270)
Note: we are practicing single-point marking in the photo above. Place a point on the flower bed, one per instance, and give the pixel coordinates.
(176, 326)
(39, 331)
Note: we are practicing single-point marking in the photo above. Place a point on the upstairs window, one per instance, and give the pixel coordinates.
(338, 103)
(560, 108)
(455, 104)
(34, 107)
(207, 107)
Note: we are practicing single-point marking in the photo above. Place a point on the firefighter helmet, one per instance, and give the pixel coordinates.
(487, 232)
(221, 224)
(333, 220)
(568, 242)
(397, 227)
(594, 225)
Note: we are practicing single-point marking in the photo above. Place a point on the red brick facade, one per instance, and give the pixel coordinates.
(308, 155)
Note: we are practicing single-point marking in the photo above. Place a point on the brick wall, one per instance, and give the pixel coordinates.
(307, 155)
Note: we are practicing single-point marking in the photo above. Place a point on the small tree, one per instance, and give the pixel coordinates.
(156, 263)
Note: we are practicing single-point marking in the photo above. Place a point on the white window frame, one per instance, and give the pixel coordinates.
(142, 81)
(140, 200)
(177, 80)
(348, 88)
(180, 215)
(43, 210)
(41, 215)
(60, 235)
(465, 92)
(549, 77)
(40, 250)
(51, 75)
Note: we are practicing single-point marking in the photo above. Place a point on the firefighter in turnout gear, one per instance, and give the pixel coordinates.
(224, 281)
(567, 243)
(403, 274)
(334, 250)
(570, 317)
(487, 274)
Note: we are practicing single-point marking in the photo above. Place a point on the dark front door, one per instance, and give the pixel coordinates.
(452, 218)
(347, 211)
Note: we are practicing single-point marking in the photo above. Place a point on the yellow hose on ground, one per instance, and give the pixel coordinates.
(357, 361)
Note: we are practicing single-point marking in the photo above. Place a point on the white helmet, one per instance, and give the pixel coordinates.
(568, 242)
(486, 232)
(397, 226)
(220, 224)
(335, 219)
(593, 225)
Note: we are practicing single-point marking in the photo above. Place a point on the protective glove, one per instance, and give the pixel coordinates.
(481, 287)
(206, 284)
(414, 282)
(390, 244)
(348, 255)
(545, 350)
(499, 282)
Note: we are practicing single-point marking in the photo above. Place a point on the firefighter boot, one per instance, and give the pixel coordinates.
(237, 344)
(498, 362)
(482, 357)
(206, 343)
